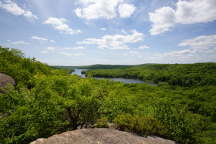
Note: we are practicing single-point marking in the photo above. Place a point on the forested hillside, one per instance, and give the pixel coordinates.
(97, 66)
(199, 74)
(47, 101)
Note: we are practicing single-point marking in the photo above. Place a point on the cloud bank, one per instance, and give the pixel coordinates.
(12, 8)
(116, 41)
(107, 9)
(60, 25)
(185, 12)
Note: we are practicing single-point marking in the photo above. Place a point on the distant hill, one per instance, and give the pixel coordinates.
(174, 74)
(97, 66)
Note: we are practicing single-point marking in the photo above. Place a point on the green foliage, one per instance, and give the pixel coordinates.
(102, 122)
(199, 74)
(47, 101)
(181, 124)
(21, 69)
(141, 125)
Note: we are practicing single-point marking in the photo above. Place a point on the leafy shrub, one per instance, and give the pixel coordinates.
(102, 122)
(182, 125)
(140, 125)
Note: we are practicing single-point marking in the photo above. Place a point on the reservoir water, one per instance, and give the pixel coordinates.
(123, 80)
(79, 72)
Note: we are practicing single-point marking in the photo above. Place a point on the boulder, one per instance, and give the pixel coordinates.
(6, 80)
(100, 136)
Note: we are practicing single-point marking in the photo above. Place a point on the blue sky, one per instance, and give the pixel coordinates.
(84, 32)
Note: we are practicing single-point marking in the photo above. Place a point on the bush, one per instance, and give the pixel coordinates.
(183, 126)
(141, 125)
(102, 122)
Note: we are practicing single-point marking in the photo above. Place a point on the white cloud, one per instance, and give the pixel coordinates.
(42, 39)
(143, 47)
(63, 51)
(44, 51)
(14, 9)
(19, 43)
(60, 25)
(117, 41)
(185, 12)
(48, 50)
(75, 48)
(103, 29)
(201, 48)
(72, 54)
(51, 48)
(195, 11)
(180, 53)
(39, 38)
(108, 9)
(204, 41)
(126, 10)
(133, 53)
(163, 19)
(52, 41)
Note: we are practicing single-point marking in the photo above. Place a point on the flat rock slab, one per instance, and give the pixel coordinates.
(100, 136)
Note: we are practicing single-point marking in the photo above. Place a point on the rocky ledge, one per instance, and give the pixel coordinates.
(100, 136)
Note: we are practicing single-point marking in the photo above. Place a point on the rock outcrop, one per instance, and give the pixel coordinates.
(100, 136)
(5, 80)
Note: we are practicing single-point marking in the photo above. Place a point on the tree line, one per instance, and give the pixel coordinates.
(186, 75)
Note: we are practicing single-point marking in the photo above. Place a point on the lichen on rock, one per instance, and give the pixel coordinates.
(6, 80)
(100, 136)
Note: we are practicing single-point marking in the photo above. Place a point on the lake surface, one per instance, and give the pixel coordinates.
(79, 72)
(123, 80)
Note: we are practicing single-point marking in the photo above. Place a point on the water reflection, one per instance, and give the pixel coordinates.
(123, 80)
